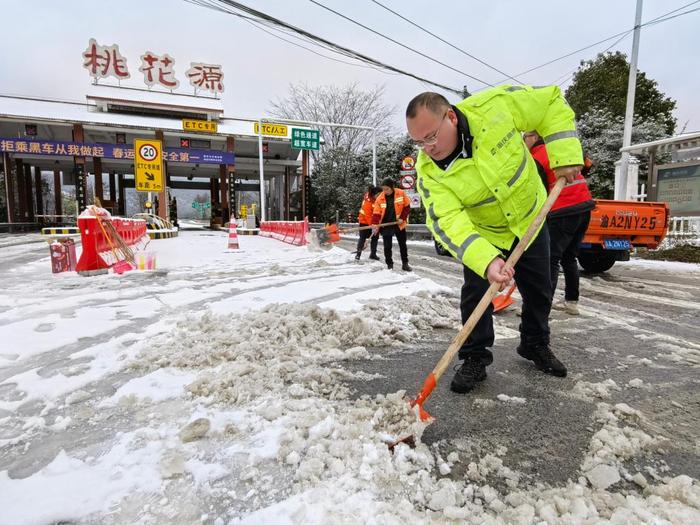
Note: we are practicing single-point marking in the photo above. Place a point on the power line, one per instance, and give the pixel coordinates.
(673, 11)
(258, 25)
(570, 73)
(279, 25)
(624, 33)
(317, 44)
(671, 17)
(263, 17)
(445, 41)
(656, 20)
(399, 43)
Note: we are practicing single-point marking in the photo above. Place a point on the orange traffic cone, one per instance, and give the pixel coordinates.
(232, 235)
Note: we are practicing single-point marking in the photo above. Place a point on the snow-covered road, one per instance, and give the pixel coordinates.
(227, 388)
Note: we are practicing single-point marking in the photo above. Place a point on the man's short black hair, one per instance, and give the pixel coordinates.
(434, 102)
(388, 182)
(375, 190)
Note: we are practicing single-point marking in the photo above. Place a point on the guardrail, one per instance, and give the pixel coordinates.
(682, 230)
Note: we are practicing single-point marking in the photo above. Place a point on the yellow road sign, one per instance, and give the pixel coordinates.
(272, 129)
(206, 126)
(148, 164)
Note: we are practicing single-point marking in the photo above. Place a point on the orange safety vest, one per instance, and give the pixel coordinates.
(365, 215)
(402, 206)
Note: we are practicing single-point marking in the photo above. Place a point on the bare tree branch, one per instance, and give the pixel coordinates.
(342, 105)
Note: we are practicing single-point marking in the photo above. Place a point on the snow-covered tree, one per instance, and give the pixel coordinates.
(601, 136)
(340, 177)
(334, 183)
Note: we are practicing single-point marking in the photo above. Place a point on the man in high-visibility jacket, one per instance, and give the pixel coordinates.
(392, 205)
(364, 218)
(567, 223)
(481, 190)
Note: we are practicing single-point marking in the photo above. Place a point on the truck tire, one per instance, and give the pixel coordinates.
(596, 262)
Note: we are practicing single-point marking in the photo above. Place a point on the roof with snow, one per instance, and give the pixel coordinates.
(92, 113)
(679, 142)
(124, 107)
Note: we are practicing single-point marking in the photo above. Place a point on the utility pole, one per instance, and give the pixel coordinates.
(629, 111)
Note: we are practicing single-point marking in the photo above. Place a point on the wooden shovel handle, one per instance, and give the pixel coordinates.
(360, 228)
(466, 330)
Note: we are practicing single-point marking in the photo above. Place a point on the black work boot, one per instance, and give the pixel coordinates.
(357, 256)
(468, 375)
(406, 268)
(543, 358)
(374, 256)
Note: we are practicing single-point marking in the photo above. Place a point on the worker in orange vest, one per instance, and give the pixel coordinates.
(365, 219)
(392, 205)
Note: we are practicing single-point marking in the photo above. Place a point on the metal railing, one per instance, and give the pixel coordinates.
(683, 228)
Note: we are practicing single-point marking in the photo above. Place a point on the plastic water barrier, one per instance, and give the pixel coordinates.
(96, 244)
(292, 232)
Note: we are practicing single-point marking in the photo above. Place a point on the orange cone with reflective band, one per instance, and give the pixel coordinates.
(232, 235)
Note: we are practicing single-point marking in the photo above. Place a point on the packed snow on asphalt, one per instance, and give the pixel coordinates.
(220, 388)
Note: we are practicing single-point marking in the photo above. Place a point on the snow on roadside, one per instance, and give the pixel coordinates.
(326, 460)
(664, 266)
(244, 415)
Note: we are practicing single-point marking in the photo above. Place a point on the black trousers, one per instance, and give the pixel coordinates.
(374, 240)
(533, 279)
(565, 235)
(387, 233)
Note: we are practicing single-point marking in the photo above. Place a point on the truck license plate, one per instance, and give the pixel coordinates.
(616, 244)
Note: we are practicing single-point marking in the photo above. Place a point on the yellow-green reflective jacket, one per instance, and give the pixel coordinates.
(481, 204)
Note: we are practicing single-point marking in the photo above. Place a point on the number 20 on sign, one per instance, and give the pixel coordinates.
(148, 165)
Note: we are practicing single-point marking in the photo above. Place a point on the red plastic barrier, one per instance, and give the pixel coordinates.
(289, 232)
(94, 242)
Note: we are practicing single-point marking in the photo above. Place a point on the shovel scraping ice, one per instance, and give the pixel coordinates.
(327, 236)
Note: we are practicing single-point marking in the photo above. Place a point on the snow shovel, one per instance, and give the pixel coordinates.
(466, 330)
(330, 234)
(503, 301)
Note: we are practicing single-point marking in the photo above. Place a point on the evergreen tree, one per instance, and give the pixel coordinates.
(340, 178)
(601, 136)
(601, 84)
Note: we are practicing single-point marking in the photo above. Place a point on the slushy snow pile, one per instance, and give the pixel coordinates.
(330, 462)
(250, 417)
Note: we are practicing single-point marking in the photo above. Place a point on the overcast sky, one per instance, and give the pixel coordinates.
(42, 42)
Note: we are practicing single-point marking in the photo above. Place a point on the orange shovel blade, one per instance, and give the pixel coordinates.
(427, 389)
(503, 301)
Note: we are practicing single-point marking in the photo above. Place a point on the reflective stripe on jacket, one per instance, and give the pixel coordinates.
(478, 206)
(402, 207)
